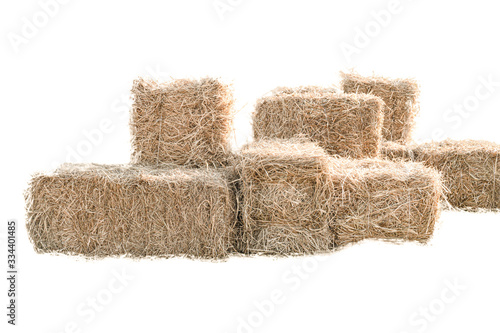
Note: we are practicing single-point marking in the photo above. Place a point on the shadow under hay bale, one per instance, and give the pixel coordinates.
(284, 210)
(137, 211)
(343, 124)
(470, 169)
(376, 199)
(185, 122)
(400, 97)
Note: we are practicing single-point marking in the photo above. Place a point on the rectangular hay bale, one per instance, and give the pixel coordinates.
(284, 208)
(377, 199)
(470, 169)
(400, 97)
(97, 210)
(184, 122)
(344, 124)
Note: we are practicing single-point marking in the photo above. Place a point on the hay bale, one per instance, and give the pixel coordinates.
(470, 169)
(185, 122)
(383, 200)
(137, 211)
(284, 208)
(400, 97)
(343, 124)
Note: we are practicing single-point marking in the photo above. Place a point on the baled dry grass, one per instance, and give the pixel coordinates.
(185, 122)
(342, 124)
(377, 199)
(283, 191)
(470, 169)
(137, 211)
(400, 97)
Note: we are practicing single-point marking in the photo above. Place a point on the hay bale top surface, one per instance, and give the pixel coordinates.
(135, 172)
(373, 169)
(407, 86)
(458, 147)
(314, 90)
(180, 88)
(298, 152)
(318, 98)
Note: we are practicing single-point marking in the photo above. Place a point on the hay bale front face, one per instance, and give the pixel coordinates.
(400, 97)
(343, 124)
(470, 169)
(383, 200)
(283, 192)
(185, 122)
(136, 211)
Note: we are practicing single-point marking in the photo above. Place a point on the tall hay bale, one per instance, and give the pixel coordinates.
(400, 97)
(470, 169)
(185, 122)
(97, 210)
(283, 190)
(383, 200)
(343, 124)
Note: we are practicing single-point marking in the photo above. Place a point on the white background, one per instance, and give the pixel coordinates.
(71, 76)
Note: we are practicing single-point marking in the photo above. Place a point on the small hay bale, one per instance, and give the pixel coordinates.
(343, 124)
(470, 169)
(284, 208)
(400, 97)
(383, 200)
(137, 211)
(185, 122)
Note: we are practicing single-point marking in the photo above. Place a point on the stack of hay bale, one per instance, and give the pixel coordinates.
(327, 168)
(362, 195)
(469, 167)
(176, 198)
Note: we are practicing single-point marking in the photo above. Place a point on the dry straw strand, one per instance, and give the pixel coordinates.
(401, 97)
(342, 124)
(185, 122)
(137, 211)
